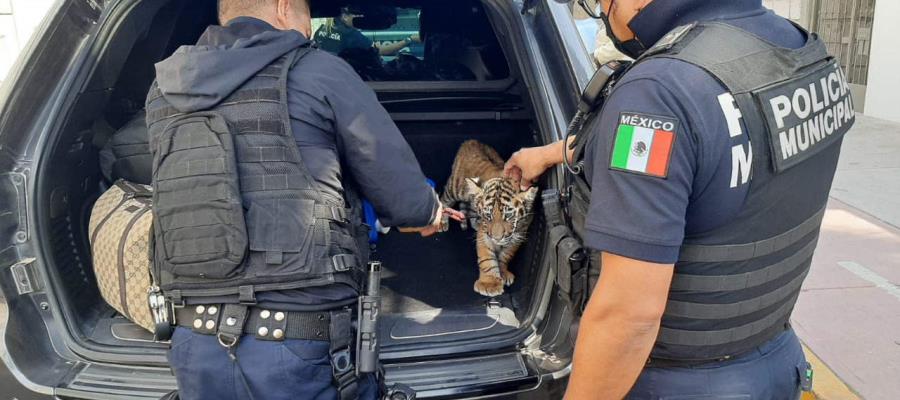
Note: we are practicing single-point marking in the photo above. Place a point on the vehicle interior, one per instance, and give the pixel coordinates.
(428, 283)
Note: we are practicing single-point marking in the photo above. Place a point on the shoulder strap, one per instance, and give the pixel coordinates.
(323, 210)
(731, 55)
(288, 64)
(301, 52)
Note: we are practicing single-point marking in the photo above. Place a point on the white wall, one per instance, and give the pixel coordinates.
(18, 18)
(790, 9)
(883, 92)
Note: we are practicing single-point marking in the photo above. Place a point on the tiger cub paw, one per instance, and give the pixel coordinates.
(490, 287)
(508, 277)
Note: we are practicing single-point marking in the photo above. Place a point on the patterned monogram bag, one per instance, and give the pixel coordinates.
(120, 230)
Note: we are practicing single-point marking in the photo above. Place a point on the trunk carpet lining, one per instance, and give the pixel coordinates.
(423, 274)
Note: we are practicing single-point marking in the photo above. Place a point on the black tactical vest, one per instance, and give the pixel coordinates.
(236, 212)
(735, 286)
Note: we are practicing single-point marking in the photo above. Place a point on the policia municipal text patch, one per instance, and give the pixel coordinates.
(643, 144)
(806, 115)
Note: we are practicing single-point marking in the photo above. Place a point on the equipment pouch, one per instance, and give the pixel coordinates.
(199, 224)
(279, 226)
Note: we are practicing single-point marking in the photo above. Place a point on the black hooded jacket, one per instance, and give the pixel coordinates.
(343, 133)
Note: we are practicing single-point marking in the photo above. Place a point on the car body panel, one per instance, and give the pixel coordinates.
(13, 389)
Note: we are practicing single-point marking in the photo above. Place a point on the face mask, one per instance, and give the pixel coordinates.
(632, 48)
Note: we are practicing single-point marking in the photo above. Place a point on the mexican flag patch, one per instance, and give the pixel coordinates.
(644, 144)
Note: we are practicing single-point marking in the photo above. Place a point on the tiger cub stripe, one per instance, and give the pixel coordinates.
(501, 209)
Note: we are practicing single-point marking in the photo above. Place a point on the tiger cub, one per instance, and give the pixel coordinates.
(503, 212)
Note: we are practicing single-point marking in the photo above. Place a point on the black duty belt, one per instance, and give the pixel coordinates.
(264, 324)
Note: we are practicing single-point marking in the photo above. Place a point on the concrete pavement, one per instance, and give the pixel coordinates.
(868, 175)
(849, 311)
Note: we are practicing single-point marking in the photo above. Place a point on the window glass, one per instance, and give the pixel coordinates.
(398, 49)
(593, 35)
(339, 35)
(406, 29)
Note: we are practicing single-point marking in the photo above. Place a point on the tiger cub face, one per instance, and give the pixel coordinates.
(504, 211)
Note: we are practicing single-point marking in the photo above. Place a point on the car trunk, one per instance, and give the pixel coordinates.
(428, 282)
(429, 292)
(427, 289)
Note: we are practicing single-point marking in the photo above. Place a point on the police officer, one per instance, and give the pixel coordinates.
(339, 35)
(307, 133)
(708, 167)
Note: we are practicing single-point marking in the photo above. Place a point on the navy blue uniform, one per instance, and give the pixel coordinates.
(290, 369)
(343, 135)
(339, 37)
(646, 215)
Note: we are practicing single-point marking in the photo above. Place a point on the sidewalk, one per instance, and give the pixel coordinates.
(868, 176)
(849, 311)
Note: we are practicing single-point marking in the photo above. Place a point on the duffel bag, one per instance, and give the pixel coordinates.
(120, 232)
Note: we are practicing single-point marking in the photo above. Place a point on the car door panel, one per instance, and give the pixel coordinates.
(31, 366)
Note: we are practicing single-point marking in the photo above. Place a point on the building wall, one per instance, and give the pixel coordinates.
(795, 10)
(883, 91)
(18, 19)
(845, 26)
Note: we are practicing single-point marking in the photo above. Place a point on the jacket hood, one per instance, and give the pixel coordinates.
(200, 76)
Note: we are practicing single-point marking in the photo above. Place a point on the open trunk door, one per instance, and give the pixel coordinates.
(573, 66)
(28, 98)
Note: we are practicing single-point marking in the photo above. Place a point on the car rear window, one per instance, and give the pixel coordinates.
(339, 34)
(386, 43)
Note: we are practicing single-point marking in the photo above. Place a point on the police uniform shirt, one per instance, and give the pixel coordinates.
(341, 37)
(668, 156)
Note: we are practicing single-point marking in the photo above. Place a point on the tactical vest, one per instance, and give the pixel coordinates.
(236, 212)
(735, 287)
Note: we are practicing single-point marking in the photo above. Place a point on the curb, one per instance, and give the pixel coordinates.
(826, 384)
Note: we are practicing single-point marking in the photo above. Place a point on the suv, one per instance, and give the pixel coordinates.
(520, 68)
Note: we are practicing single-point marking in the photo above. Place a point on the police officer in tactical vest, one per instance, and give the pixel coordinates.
(339, 34)
(704, 173)
(260, 146)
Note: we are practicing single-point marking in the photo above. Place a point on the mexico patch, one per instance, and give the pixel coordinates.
(643, 144)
